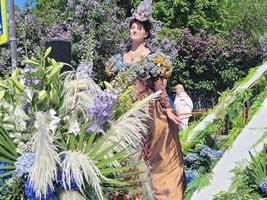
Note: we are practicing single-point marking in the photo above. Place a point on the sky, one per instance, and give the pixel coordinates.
(19, 2)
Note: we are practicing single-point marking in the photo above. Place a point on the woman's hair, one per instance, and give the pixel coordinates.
(147, 26)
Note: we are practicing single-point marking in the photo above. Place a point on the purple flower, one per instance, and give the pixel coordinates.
(26, 107)
(85, 68)
(263, 185)
(36, 81)
(101, 110)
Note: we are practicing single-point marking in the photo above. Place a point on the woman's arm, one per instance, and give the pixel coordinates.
(164, 102)
(159, 85)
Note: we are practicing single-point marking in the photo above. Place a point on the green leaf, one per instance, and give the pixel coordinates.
(2, 94)
(2, 85)
(107, 161)
(8, 161)
(98, 145)
(47, 52)
(72, 142)
(4, 133)
(7, 167)
(7, 154)
(100, 155)
(7, 173)
(109, 170)
(90, 142)
(81, 141)
(30, 62)
(17, 84)
(130, 174)
(54, 73)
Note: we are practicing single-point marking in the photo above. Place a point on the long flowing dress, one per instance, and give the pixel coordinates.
(162, 149)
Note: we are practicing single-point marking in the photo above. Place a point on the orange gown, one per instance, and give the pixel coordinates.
(162, 149)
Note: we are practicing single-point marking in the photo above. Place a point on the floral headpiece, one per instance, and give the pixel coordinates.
(143, 11)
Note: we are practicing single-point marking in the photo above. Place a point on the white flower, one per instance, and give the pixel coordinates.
(22, 148)
(18, 136)
(26, 136)
(74, 126)
(16, 141)
(52, 120)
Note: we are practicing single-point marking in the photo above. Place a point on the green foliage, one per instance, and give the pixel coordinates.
(8, 152)
(198, 184)
(197, 15)
(124, 104)
(246, 181)
(242, 193)
(51, 10)
(248, 15)
(115, 178)
(11, 189)
(257, 170)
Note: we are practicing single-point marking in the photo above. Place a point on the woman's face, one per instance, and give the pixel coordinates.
(137, 32)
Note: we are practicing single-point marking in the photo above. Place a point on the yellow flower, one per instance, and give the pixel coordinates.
(159, 59)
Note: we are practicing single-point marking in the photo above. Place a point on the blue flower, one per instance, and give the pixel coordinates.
(24, 164)
(59, 182)
(211, 153)
(263, 185)
(31, 195)
(191, 158)
(190, 175)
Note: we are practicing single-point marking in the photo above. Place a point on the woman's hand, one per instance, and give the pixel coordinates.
(174, 118)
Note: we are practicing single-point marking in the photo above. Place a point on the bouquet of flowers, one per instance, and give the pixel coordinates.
(59, 138)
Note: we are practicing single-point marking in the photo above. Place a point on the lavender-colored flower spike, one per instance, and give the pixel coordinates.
(143, 11)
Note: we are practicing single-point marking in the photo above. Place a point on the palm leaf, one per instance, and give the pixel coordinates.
(5, 160)
(90, 142)
(116, 157)
(101, 155)
(7, 173)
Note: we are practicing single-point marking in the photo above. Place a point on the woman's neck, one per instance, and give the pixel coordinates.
(136, 46)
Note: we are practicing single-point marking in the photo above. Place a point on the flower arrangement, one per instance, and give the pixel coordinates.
(154, 65)
(59, 138)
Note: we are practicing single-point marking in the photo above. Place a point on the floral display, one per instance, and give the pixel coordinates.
(59, 138)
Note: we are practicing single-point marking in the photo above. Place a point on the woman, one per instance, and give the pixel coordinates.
(162, 150)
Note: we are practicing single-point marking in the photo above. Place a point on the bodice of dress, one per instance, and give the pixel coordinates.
(144, 83)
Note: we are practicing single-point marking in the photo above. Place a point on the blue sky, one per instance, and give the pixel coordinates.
(19, 2)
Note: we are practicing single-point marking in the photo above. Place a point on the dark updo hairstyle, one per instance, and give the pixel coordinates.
(147, 26)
